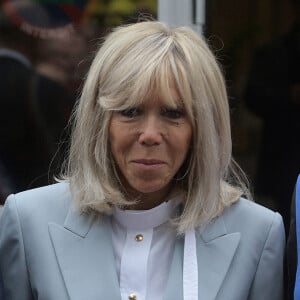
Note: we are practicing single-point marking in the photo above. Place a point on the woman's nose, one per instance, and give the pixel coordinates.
(151, 131)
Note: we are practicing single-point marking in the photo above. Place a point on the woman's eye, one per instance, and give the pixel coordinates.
(130, 112)
(173, 113)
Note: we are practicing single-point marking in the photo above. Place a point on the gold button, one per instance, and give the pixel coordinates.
(132, 297)
(139, 237)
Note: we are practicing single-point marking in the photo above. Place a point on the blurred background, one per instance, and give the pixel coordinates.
(46, 48)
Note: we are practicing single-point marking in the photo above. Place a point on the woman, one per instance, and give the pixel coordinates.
(149, 208)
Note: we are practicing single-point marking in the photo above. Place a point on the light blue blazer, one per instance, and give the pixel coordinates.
(48, 251)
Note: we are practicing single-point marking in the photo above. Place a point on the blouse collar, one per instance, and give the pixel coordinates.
(146, 219)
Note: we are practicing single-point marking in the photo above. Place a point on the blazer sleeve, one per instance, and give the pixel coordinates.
(268, 281)
(13, 268)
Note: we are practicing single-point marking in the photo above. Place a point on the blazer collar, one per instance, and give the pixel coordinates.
(85, 256)
(83, 246)
(215, 249)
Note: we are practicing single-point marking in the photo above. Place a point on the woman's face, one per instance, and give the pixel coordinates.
(149, 144)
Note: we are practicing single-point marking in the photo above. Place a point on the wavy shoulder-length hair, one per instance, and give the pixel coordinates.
(134, 62)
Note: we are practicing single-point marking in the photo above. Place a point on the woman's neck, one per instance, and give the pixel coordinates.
(146, 201)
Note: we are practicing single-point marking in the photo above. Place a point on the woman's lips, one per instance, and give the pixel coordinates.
(148, 164)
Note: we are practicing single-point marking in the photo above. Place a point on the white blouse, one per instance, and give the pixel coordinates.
(143, 243)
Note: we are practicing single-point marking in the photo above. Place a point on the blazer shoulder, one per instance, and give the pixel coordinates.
(251, 208)
(48, 202)
(246, 215)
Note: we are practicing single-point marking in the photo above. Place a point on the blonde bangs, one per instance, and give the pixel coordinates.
(142, 81)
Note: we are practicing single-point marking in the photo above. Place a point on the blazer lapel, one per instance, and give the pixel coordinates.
(84, 253)
(215, 251)
(174, 290)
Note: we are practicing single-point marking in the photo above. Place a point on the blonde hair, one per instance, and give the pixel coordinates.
(133, 62)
